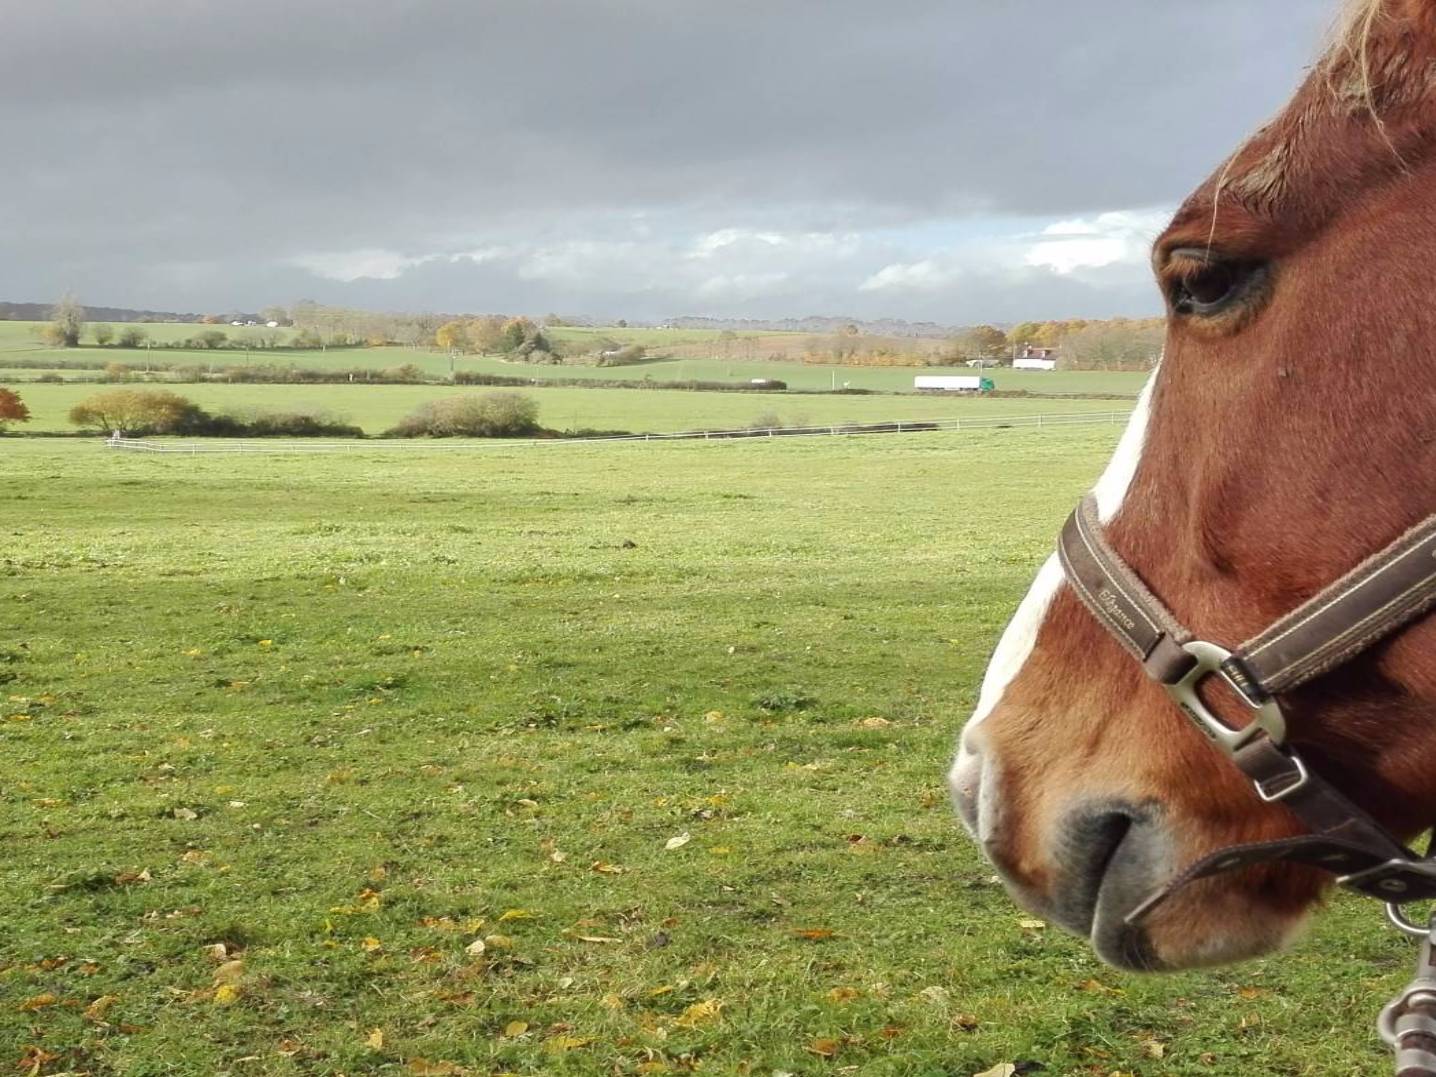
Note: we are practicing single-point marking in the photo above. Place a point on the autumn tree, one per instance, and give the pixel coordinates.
(12, 408)
(67, 322)
(984, 340)
(135, 411)
(486, 335)
(1114, 345)
(452, 336)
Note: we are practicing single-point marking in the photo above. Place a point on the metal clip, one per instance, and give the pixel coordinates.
(1268, 717)
(1408, 1023)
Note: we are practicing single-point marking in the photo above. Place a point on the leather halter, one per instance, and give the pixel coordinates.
(1373, 600)
(1376, 598)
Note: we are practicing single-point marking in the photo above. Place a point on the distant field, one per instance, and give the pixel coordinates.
(19, 340)
(377, 407)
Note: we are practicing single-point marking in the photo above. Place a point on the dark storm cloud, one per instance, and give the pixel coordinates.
(201, 153)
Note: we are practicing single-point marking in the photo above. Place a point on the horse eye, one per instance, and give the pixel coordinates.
(1211, 285)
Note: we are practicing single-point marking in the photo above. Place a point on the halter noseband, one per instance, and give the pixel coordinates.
(1376, 598)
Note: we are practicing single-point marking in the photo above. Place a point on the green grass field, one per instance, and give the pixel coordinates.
(378, 407)
(20, 340)
(613, 760)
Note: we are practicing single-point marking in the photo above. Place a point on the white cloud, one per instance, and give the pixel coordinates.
(1122, 236)
(928, 275)
(367, 264)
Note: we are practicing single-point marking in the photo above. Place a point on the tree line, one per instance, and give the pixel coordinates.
(1077, 344)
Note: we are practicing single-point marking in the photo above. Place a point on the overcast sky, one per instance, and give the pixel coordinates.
(948, 160)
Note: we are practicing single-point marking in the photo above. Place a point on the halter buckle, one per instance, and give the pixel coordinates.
(1267, 718)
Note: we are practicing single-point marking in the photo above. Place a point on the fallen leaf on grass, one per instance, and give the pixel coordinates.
(677, 842)
(375, 1040)
(34, 1058)
(371, 944)
(516, 914)
(814, 934)
(1032, 925)
(515, 1029)
(605, 868)
(426, 1068)
(700, 1013)
(824, 1048)
(499, 942)
(875, 723)
(38, 1002)
(226, 994)
(965, 1022)
(186, 814)
(96, 1010)
(1002, 1069)
(843, 994)
(596, 938)
(231, 972)
(476, 947)
(560, 1044)
(1154, 1049)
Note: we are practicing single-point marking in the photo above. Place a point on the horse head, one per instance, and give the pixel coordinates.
(1288, 432)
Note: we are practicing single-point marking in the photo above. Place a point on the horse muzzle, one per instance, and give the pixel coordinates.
(1099, 861)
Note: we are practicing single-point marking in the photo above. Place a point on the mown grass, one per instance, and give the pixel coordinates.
(346, 717)
(375, 408)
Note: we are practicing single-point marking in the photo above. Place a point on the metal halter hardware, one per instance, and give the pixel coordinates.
(1375, 599)
(1211, 661)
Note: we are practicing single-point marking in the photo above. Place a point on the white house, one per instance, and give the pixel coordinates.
(1034, 364)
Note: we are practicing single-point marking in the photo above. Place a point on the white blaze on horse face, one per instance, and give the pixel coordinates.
(1015, 646)
(1111, 488)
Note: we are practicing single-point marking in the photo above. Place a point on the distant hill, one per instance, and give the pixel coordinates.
(888, 327)
(40, 312)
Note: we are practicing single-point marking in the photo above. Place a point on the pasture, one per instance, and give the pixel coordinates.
(621, 760)
(703, 359)
(375, 408)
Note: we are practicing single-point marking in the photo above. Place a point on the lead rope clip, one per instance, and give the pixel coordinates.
(1408, 1022)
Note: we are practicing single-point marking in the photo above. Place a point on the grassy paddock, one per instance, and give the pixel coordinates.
(620, 760)
(377, 407)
